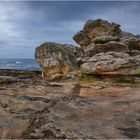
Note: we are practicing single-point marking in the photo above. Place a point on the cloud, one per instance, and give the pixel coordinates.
(10, 14)
(25, 25)
(124, 13)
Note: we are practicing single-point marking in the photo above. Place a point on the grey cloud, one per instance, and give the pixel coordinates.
(24, 25)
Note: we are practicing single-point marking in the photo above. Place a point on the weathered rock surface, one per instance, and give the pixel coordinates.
(95, 28)
(82, 39)
(92, 114)
(99, 27)
(134, 44)
(112, 63)
(108, 49)
(105, 39)
(38, 109)
(56, 58)
(133, 52)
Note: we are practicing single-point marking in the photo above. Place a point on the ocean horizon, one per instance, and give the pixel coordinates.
(19, 64)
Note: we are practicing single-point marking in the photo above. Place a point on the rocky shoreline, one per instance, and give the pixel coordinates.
(82, 107)
(104, 50)
(86, 92)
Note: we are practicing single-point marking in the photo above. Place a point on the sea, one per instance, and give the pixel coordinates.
(20, 64)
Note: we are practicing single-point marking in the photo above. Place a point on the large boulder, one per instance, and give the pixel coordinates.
(95, 28)
(55, 58)
(99, 27)
(112, 63)
(100, 32)
(107, 49)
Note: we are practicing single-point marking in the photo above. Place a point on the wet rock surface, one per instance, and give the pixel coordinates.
(36, 108)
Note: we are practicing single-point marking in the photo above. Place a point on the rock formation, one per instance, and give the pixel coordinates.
(76, 106)
(56, 58)
(96, 28)
(105, 49)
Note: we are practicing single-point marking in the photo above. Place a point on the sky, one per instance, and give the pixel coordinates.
(24, 25)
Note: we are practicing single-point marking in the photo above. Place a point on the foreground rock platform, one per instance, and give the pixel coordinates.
(80, 107)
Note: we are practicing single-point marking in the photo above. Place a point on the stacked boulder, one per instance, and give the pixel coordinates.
(107, 49)
(104, 49)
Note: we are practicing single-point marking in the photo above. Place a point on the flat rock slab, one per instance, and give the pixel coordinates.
(108, 113)
(38, 109)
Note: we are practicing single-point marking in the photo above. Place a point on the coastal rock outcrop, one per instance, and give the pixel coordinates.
(55, 58)
(104, 49)
(108, 50)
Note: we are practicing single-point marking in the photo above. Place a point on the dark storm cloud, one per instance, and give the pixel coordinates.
(24, 25)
